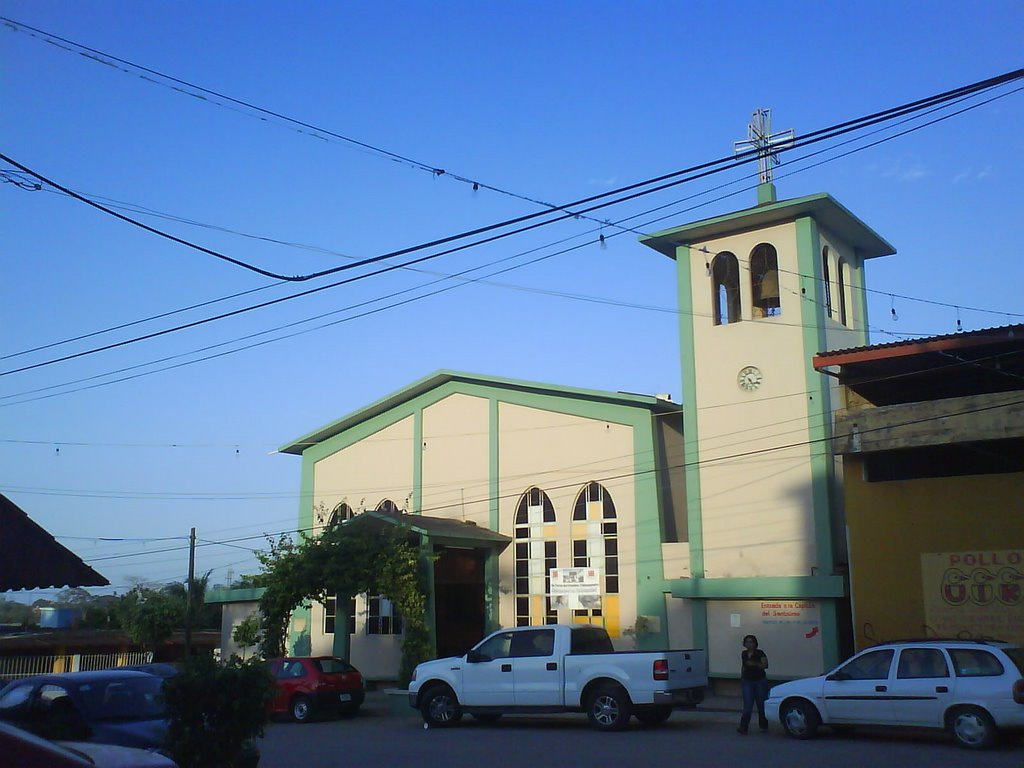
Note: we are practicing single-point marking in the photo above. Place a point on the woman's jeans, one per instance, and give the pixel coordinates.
(753, 693)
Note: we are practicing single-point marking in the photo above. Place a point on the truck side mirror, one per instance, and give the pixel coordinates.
(474, 657)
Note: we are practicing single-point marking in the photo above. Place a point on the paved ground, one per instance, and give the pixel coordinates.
(394, 736)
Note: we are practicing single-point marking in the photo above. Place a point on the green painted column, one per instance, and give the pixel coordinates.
(691, 450)
(492, 570)
(650, 573)
(342, 630)
(427, 552)
(819, 418)
(416, 502)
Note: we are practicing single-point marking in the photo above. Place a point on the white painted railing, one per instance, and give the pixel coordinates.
(13, 667)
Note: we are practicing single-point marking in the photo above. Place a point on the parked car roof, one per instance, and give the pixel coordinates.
(79, 678)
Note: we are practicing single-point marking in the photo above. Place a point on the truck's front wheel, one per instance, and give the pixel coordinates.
(439, 707)
(609, 708)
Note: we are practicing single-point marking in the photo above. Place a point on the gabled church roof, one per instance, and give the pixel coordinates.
(822, 207)
(435, 380)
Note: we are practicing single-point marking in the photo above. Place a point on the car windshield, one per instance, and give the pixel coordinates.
(334, 666)
(134, 698)
(1017, 657)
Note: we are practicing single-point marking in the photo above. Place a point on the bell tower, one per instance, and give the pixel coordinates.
(761, 291)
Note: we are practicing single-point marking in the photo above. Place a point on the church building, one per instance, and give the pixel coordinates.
(692, 525)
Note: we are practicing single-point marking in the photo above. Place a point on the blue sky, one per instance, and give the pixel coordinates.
(552, 101)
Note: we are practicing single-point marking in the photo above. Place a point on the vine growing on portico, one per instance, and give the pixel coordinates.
(348, 559)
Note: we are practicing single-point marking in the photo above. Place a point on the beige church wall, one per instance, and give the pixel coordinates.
(788, 631)
(376, 656)
(560, 454)
(679, 612)
(369, 471)
(319, 643)
(231, 615)
(838, 335)
(456, 459)
(362, 475)
(675, 560)
(757, 513)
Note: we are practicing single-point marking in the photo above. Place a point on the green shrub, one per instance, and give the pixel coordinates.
(215, 711)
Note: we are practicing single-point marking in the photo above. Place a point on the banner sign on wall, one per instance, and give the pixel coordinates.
(975, 594)
(576, 588)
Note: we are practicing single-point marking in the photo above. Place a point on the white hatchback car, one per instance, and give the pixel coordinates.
(970, 688)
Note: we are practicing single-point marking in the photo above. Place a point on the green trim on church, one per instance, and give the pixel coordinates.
(634, 411)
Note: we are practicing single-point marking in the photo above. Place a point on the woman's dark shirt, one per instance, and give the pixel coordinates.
(752, 672)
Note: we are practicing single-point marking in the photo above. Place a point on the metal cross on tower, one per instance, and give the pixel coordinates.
(761, 138)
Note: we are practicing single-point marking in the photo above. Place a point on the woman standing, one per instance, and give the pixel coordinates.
(753, 663)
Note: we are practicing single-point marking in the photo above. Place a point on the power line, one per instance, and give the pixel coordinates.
(233, 496)
(304, 127)
(603, 480)
(571, 210)
(617, 224)
(431, 293)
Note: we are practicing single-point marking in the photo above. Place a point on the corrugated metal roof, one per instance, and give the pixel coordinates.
(30, 558)
(923, 344)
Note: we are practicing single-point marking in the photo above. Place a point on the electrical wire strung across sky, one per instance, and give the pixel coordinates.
(691, 174)
(572, 209)
(460, 276)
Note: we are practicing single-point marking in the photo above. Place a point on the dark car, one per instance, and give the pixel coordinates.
(307, 685)
(109, 707)
(21, 749)
(162, 669)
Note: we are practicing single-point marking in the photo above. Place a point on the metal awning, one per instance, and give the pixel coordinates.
(438, 531)
(30, 558)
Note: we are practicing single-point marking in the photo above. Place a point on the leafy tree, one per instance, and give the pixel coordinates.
(73, 596)
(101, 613)
(12, 612)
(215, 712)
(247, 633)
(249, 581)
(204, 616)
(150, 616)
(348, 559)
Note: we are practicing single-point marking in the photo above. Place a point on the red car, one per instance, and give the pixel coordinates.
(308, 684)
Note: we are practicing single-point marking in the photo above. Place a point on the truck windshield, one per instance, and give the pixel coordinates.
(591, 640)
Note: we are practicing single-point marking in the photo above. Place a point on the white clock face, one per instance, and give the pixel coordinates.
(750, 378)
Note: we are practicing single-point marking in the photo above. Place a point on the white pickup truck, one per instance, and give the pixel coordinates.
(558, 668)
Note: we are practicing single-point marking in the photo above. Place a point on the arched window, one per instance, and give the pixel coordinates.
(536, 554)
(389, 507)
(826, 277)
(844, 280)
(764, 281)
(595, 544)
(341, 513)
(725, 289)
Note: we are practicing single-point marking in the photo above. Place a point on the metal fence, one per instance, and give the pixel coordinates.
(13, 667)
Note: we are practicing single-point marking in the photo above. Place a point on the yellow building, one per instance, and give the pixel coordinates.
(932, 444)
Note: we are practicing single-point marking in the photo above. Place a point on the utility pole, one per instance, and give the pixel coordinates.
(188, 592)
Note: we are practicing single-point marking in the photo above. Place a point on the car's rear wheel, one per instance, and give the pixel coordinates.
(440, 707)
(302, 709)
(972, 727)
(799, 718)
(609, 708)
(653, 714)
